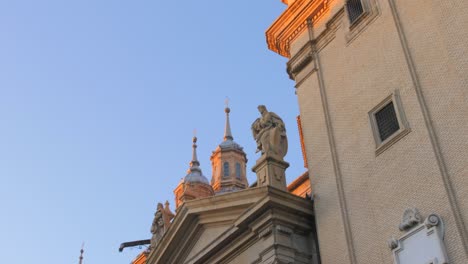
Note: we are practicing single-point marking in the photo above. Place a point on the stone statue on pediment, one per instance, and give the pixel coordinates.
(269, 132)
(161, 223)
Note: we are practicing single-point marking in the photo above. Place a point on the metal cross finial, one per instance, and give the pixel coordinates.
(226, 101)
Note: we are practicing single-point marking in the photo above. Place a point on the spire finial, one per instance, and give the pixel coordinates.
(81, 253)
(194, 163)
(227, 129)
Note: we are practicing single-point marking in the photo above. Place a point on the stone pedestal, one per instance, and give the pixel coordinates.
(270, 171)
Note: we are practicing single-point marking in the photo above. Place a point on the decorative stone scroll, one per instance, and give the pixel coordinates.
(422, 243)
(161, 223)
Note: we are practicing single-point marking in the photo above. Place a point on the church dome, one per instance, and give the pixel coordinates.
(195, 176)
(230, 144)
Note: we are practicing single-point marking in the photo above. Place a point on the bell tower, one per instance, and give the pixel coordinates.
(228, 163)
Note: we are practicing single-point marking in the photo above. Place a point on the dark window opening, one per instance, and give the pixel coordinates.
(355, 10)
(387, 121)
(238, 170)
(226, 169)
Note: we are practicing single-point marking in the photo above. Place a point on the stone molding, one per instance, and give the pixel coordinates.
(304, 56)
(292, 23)
(300, 60)
(280, 254)
(265, 232)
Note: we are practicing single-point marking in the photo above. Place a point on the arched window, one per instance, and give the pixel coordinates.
(238, 170)
(226, 169)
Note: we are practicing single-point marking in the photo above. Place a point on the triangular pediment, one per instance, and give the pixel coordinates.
(208, 233)
(199, 222)
(216, 229)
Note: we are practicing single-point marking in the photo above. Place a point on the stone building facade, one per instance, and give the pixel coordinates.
(382, 87)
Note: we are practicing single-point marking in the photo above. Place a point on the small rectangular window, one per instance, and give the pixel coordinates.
(361, 13)
(226, 169)
(238, 170)
(388, 122)
(355, 10)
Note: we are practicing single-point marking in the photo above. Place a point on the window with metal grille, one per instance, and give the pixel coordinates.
(355, 10)
(387, 121)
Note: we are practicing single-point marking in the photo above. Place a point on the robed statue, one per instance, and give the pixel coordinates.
(269, 132)
(161, 223)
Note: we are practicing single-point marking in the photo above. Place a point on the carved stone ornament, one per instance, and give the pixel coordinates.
(423, 241)
(161, 223)
(411, 218)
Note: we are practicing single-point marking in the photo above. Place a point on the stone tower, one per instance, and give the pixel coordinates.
(228, 163)
(194, 185)
(382, 93)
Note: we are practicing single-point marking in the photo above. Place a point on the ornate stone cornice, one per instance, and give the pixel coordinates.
(292, 23)
(300, 60)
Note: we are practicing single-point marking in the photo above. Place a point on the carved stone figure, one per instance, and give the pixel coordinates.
(157, 228)
(161, 223)
(269, 132)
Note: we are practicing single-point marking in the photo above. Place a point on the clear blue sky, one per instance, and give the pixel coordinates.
(98, 103)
